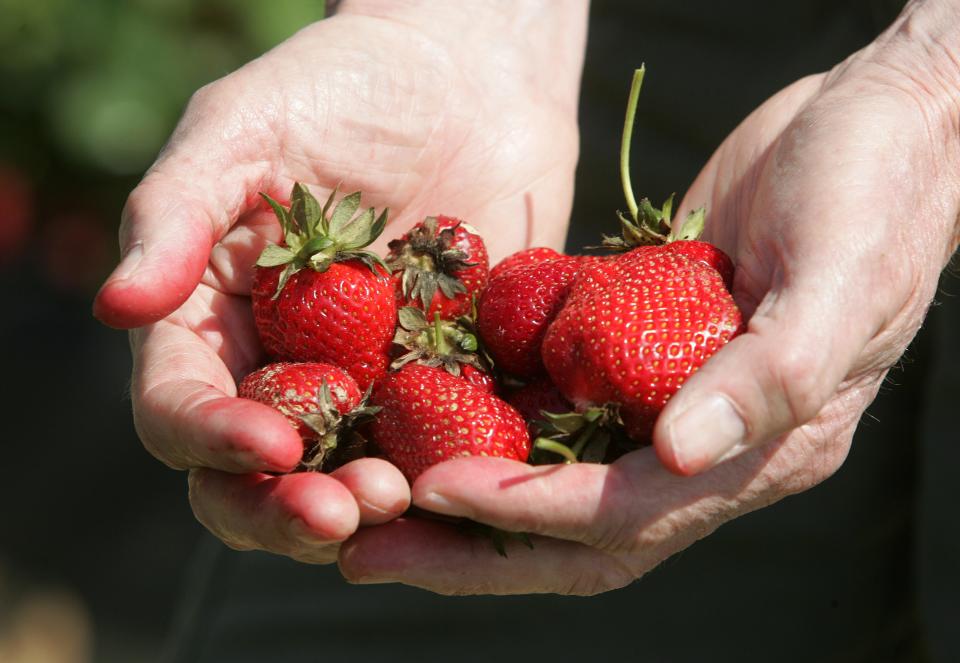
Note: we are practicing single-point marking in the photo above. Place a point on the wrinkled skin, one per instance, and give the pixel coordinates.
(811, 196)
(407, 108)
(838, 201)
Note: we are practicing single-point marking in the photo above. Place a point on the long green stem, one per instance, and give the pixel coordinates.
(559, 448)
(625, 141)
(440, 339)
(584, 437)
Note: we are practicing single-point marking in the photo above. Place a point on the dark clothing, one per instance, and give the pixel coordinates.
(829, 575)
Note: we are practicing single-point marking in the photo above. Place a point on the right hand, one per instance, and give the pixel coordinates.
(424, 109)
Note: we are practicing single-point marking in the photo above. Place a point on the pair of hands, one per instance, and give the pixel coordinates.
(834, 198)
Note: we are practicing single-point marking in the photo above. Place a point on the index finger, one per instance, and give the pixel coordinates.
(183, 392)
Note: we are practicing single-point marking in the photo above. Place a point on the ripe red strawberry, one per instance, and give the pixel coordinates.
(533, 399)
(531, 256)
(428, 416)
(319, 400)
(633, 330)
(516, 308)
(438, 266)
(706, 253)
(320, 297)
(479, 378)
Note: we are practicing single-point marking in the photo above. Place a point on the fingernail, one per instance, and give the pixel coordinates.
(127, 266)
(440, 504)
(705, 433)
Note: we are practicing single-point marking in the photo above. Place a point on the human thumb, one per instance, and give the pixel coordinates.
(799, 346)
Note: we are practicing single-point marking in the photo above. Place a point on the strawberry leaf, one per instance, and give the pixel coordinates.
(283, 215)
(667, 210)
(305, 210)
(274, 255)
(358, 233)
(412, 319)
(285, 275)
(324, 213)
(343, 212)
(596, 449)
(379, 224)
(449, 285)
(316, 245)
(692, 226)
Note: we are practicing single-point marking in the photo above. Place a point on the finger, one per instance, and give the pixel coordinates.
(804, 340)
(185, 412)
(381, 491)
(300, 515)
(437, 557)
(633, 505)
(169, 224)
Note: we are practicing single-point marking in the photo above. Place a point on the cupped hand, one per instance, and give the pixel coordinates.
(424, 109)
(838, 201)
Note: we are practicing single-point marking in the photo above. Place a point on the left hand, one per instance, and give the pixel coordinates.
(838, 201)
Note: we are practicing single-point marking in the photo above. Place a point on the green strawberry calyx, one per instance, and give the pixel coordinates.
(429, 262)
(579, 436)
(315, 237)
(333, 429)
(646, 224)
(440, 343)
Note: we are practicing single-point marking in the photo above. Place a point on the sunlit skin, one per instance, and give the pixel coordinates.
(427, 110)
(836, 200)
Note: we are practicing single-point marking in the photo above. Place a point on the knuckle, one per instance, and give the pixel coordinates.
(796, 376)
(616, 531)
(201, 99)
(198, 497)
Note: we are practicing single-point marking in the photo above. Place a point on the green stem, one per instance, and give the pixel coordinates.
(584, 437)
(547, 444)
(440, 339)
(625, 141)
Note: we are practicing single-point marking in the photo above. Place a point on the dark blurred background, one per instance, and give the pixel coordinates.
(97, 538)
(94, 533)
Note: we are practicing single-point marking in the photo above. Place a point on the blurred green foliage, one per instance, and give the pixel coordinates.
(100, 83)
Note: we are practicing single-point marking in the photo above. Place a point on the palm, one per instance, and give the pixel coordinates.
(331, 106)
(422, 138)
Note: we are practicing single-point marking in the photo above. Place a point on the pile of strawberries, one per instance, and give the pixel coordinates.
(430, 354)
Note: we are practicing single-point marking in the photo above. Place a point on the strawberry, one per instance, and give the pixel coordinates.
(428, 416)
(706, 253)
(321, 401)
(533, 399)
(439, 265)
(635, 327)
(531, 256)
(633, 330)
(479, 378)
(515, 309)
(320, 296)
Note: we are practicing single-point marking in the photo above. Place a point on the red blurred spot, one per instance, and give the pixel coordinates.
(16, 212)
(75, 251)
